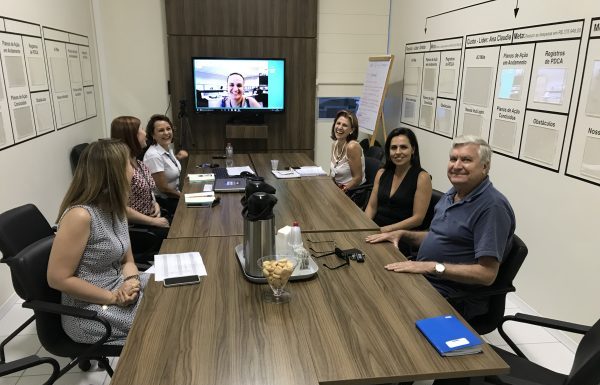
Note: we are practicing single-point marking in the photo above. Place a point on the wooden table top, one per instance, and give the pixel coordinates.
(353, 325)
(315, 202)
(262, 164)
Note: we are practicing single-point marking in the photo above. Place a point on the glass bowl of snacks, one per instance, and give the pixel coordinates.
(277, 270)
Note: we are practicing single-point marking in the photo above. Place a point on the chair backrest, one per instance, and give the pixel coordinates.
(75, 154)
(488, 322)
(436, 195)
(372, 165)
(364, 144)
(20, 227)
(361, 196)
(375, 152)
(29, 267)
(587, 359)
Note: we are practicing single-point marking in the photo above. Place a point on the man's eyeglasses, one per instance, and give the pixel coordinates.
(324, 253)
(328, 247)
(341, 255)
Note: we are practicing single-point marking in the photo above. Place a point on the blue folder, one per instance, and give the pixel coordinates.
(449, 336)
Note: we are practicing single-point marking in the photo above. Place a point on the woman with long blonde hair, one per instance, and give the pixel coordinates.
(91, 261)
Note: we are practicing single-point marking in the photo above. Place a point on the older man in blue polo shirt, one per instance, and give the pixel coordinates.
(471, 231)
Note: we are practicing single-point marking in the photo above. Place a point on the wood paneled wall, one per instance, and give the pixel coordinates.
(237, 28)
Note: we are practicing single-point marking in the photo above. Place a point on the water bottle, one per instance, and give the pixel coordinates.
(229, 155)
(294, 239)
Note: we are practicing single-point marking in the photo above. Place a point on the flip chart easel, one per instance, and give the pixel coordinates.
(370, 108)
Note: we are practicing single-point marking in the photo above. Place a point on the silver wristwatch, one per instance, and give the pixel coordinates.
(440, 268)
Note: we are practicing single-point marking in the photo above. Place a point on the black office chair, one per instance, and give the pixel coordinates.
(364, 144)
(436, 195)
(376, 152)
(29, 268)
(524, 372)
(20, 227)
(75, 154)
(496, 293)
(145, 243)
(360, 194)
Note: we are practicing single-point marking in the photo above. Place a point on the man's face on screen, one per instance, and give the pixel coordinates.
(235, 83)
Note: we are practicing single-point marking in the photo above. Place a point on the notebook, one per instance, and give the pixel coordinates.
(198, 178)
(230, 185)
(204, 199)
(449, 336)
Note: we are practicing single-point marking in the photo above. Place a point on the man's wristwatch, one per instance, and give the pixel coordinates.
(440, 268)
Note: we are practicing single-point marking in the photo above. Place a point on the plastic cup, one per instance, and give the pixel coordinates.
(274, 164)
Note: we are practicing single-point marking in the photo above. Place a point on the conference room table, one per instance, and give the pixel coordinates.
(323, 207)
(352, 325)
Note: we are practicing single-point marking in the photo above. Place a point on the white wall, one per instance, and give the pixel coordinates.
(557, 216)
(349, 31)
(132, 43)
(38, 171)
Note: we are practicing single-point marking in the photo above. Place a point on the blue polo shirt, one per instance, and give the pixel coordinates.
(482, 224)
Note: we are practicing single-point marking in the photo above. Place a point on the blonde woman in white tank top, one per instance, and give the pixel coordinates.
(347, 159)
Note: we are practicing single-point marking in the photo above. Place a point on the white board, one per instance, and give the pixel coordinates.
(373, 93)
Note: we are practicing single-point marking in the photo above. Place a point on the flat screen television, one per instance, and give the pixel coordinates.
(239, 84)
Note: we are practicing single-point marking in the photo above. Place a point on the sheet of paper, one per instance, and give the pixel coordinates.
(238, 170)
(285, 174)
(311, 171)
(178, 265)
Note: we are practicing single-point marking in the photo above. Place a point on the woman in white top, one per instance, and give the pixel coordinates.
(162, 162)
(347, 159)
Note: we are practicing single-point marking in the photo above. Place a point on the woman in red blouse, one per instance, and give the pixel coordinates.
(142, 208)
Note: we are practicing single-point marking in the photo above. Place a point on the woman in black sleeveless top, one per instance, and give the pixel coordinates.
(402, 189)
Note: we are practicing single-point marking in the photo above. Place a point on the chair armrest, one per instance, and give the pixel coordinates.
(538, 321)
(141, 231)
(359, 188)
(57, 308)
(29, 362)
(548, 323)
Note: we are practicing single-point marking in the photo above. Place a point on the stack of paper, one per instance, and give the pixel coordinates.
(449, 336)
(198, 178)
(203, 199)
(311, 171)
(285, 174)
(178, 265)
(233, 171)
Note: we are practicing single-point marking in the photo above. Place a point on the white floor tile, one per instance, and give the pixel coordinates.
(84, 378)
(114, 362)
(505, 347)
(14, 318)
(509, 304)
(522, 333)
(494, 338)
(554, 356)
(45, 369)
(21, 346)
(8, 380)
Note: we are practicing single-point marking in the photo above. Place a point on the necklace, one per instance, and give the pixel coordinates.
(338, 157)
